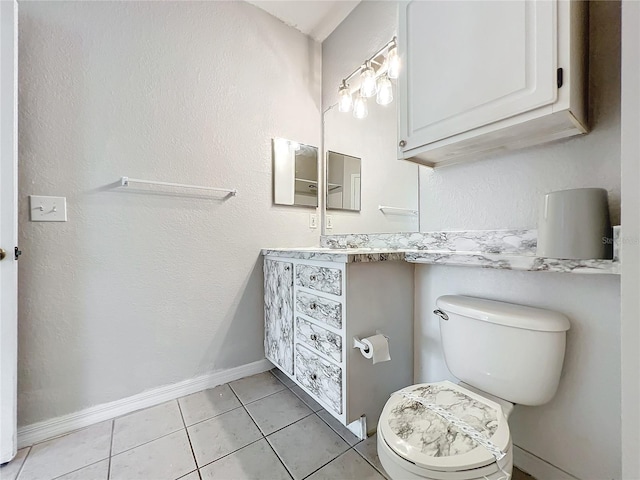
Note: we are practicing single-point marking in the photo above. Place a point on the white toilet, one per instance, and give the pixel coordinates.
(504, 354)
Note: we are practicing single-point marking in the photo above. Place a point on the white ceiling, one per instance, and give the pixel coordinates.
(316, 18)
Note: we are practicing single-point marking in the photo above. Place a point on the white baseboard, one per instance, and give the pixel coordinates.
(537, 467)
(37, 432)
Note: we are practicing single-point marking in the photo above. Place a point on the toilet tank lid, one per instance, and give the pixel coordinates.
(501, 313)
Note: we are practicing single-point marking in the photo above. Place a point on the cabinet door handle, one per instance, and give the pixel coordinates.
(312, 278)
(314, 376)
(313, 337)
(312, 306)
(402, 143)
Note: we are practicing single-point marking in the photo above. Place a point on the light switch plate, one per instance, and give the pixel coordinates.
(313, 220)
(329, 222)
(47, 209)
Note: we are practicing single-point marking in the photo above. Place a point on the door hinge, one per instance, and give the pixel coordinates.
(559, 78)
(16, 253)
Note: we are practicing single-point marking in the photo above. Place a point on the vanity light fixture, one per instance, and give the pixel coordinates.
(368, 85)
(345, 102)
(393, 63)
(360, 109)
(385, 91)
(373, 83)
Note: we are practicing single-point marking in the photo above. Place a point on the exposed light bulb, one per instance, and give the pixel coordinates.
(295, 146)
(345, 102)
(393, 63)
(385, 91)
(360, 109)
(368, 86)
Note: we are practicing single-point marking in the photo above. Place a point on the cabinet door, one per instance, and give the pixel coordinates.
(278, 313)
(467, 64)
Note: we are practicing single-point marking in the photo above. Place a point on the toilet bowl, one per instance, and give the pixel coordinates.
(417, 442)
(503, 354)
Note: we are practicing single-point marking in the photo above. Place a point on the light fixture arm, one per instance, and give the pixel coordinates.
(391, 44)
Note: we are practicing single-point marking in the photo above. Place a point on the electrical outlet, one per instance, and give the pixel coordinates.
(47, 209)
(329, 219)
(313, 220)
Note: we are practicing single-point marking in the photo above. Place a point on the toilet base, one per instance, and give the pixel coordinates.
(398, 468)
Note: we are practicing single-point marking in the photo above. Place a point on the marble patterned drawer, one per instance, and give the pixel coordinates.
(321, 377)
(320, 339)
(322, 279)
(320, 308)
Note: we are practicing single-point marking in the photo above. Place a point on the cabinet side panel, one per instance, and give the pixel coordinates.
(379, 297)
(278, 313)
(579, 61)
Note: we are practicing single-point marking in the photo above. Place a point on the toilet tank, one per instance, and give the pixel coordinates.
(511, 351)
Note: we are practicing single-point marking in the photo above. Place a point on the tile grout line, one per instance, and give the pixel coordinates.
(264, 436)
(82, 467)
(230, 453)
(257, 399)
(145, 443)
(78, 469)
(278, 457)
(338, 433)
(186, 430)
(113, 428)
(215, 416)
(351, 447)
(62, 435)
(369, 461)
(24, 463)
(247, 412)
(334, 458)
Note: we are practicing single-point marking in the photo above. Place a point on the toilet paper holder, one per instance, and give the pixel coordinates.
(357, 343)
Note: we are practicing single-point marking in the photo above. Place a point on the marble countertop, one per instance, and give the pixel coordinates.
(500, 249)
(513, 262)
(439, 257)
(338, 255)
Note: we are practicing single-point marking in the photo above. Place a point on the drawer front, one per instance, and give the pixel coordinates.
(319, 308)
(322, 279)
(320, 377)
(319, 338)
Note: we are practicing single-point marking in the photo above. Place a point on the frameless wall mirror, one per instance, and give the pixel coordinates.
(381, 194)
(343, 182)
(295, 173)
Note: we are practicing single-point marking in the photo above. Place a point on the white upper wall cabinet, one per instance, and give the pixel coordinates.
(480, 77)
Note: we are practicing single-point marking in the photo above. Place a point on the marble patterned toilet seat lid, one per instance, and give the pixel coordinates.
(427, 439)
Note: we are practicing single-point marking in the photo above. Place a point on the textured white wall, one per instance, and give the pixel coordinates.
(137, 290)
(385, 180)
(579, 431)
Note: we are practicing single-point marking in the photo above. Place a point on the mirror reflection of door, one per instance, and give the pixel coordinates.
(295, 173)
(343, 182)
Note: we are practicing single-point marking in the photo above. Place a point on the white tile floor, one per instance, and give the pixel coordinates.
(258, 427)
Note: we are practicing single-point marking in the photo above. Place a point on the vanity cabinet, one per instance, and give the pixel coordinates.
(484, 77)
(314, 309)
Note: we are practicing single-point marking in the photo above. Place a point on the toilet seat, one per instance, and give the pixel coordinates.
(429, 441)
